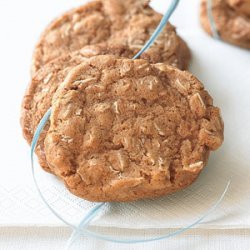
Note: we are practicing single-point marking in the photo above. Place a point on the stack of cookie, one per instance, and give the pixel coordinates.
(231, 19)
(120, 129)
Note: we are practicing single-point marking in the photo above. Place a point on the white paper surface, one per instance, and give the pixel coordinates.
(55, 238)
(224, 70)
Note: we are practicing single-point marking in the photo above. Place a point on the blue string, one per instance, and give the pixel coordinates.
(147, 45)
(159, 28)
(39, 129)
(214, 30)
(83, 224)
(82, 227)
(177, 232)
(92, 213)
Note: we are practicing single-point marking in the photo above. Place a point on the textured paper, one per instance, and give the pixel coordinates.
(55, 238)
(225, 71)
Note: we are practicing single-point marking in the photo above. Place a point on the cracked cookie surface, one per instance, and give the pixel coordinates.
(129, 23)
(38, 96)
(123, 129)
(232, 25)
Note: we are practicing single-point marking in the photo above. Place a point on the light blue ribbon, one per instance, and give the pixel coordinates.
(78, 231)
(213, 27)
(159, 28)
(82, 227)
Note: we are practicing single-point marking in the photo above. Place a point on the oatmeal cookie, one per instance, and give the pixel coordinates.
(130, 23)
(232, 26)
(242, 6)
(38, 96)
(124, 129)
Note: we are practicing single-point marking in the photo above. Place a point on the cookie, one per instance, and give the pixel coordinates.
(38, 96)
(130, 23)
(232, 26)
(242, 6)
(124, 129)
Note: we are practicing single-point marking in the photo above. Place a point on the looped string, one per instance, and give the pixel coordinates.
(88, 233)
(82, 227)
(213, 27)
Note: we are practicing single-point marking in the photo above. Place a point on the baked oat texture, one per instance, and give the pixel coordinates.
(38, 96)
(233, 26)
(129, 23)
(124, 129)
(242, 6)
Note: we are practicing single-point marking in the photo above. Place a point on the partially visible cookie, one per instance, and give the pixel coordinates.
(124, 129)
(128, 23)
(242, 6)
(38, 96)
(232, 26)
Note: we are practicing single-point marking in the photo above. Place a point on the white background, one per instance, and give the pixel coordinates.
(225, 71)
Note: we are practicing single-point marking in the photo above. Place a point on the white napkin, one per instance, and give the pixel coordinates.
(225, 72)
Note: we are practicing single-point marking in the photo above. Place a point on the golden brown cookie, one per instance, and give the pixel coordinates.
(232, 26)
(242, 6)
(130, 23)
(124, 129)
(38, 96)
